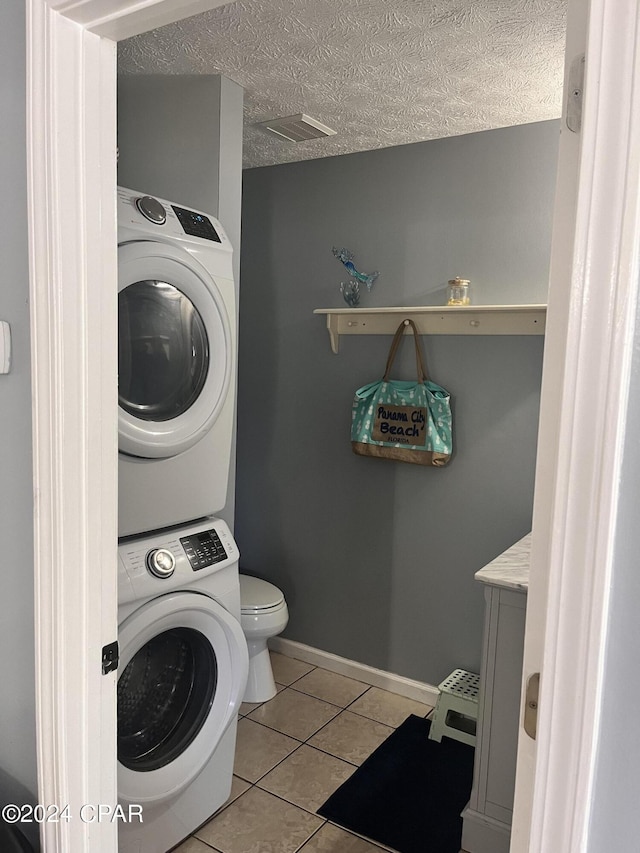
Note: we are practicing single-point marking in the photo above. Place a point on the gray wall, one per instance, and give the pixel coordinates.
(17, 678)
(168, 137)
(180, 138)
(377, 558)
(615, 819)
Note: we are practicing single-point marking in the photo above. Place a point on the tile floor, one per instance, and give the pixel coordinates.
(292, 753)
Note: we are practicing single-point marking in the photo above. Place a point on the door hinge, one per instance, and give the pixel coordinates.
(531, 705)
(110, 658)
(574, 94)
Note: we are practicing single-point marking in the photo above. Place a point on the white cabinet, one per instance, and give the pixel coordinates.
(487, 818)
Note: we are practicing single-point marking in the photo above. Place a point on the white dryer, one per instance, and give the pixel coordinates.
(181, 677)
(176, 363)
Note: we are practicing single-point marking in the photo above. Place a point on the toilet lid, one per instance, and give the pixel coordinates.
(256, 594)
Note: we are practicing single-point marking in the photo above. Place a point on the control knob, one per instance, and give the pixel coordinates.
(151, 209)
(161, 562)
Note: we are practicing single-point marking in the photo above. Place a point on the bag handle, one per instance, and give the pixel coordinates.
(395, 343)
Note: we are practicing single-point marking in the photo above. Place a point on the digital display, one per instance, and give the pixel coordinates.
(195, 224)
(203, 549)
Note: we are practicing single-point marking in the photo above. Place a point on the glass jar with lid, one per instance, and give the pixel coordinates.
(458, 291)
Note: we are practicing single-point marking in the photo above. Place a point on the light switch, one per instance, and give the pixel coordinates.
(5, 347)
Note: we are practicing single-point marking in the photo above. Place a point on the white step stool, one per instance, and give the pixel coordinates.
(456, 711)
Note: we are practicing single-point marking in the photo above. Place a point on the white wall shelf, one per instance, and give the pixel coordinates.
(436, 320)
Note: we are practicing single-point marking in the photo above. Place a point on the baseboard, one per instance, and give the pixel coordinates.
(417, 690)
(484, 834)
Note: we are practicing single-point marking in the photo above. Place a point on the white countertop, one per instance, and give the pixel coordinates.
(509, 569)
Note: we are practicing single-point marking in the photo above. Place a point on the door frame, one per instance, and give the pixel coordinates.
(594, 277)
(71, 173)
(71, 155)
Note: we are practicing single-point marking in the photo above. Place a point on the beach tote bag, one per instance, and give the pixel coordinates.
(405, 421)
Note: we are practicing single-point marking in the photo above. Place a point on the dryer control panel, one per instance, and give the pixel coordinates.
(196, 224)
(156, 218)
(173, 558)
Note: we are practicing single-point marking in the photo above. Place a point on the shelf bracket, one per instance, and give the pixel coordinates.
(334, 334)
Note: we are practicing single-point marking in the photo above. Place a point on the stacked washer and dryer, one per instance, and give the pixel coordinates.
(183, 655)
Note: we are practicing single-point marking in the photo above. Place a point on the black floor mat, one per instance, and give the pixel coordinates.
(409, 793)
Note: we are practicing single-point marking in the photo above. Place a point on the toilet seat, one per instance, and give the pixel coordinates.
(258, 596)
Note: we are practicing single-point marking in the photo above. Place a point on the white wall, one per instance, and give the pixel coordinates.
(17, 677)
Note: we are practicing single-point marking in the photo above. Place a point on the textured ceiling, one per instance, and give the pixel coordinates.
(379, 72)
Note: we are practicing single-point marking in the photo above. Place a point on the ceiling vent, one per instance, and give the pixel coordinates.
(298, 128)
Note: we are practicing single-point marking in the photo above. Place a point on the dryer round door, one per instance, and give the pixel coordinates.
(182, 673)
(174, 350)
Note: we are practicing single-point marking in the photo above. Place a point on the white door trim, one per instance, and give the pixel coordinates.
(71, 175)
(583, 418)
(121, 19)
(72, 220)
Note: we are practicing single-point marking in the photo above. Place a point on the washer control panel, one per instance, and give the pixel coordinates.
(173, 558)
(203, 549)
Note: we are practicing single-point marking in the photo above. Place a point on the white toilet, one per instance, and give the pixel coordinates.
(263, 614)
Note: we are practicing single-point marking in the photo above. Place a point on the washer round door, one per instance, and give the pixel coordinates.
(182, 674)
(174, 350)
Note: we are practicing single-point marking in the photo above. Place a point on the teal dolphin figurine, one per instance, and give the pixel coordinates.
(346, 257)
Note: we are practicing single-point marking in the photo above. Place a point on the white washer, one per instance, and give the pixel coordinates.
(181, 678)
(176, 363)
